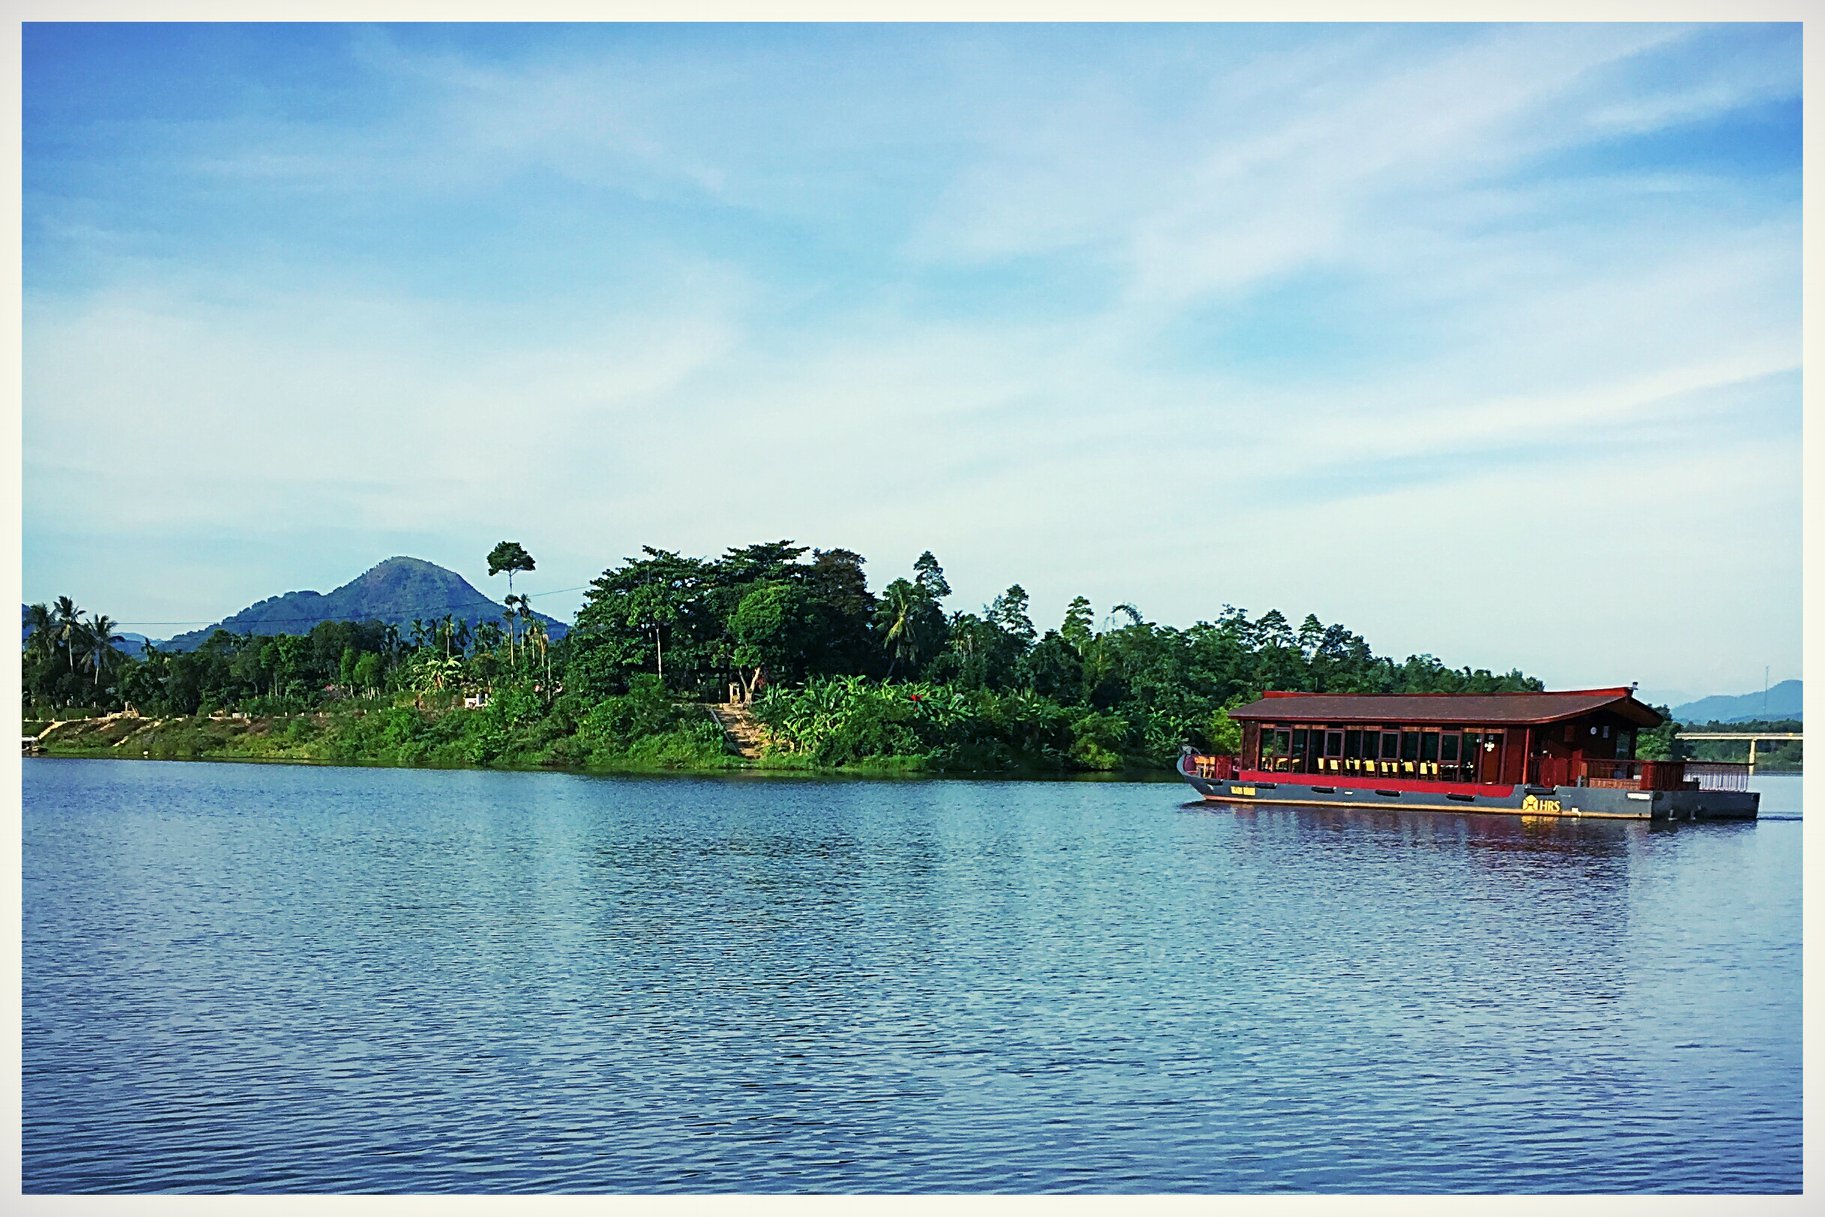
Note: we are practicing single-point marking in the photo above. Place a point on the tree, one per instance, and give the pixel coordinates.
(516, 606)
(1311, 635)
(537, 639)
(1077, 629)
(773, 627)
(98, 638)
(930, 577)
(899, 619)
(1123, 610)
(1662, 743)
(40, 674)
(69, 626)
(837, 598)
(1009, 613)
(40, 626)
(509, 556)
(656, 612)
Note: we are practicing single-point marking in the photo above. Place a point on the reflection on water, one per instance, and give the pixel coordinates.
(242, 978)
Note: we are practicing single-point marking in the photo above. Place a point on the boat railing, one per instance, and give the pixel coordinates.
(1719, 775)
(1211, 768)
(1661, 775)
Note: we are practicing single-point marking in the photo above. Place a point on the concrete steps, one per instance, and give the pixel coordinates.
(743, 735)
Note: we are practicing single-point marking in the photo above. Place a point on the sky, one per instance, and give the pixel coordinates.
(1481, 340)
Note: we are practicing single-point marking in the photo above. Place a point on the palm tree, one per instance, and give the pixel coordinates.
(41, 627)
(98, 637)
(536, 637)
(69, 626)
(518, 609)
(508, 617)
(901, 634)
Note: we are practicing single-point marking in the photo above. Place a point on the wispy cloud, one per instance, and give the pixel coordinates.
(1181, 316)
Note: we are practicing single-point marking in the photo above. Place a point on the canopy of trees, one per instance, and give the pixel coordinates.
(840, 673)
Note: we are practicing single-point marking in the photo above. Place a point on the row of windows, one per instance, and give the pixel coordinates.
(1412, 744)
(1467, 754)
(1447, 754)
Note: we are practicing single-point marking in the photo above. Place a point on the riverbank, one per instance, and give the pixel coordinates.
(688, 742)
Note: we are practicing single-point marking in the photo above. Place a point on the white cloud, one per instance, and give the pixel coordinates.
(1115, 440)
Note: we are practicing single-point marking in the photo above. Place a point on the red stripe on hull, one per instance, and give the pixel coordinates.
(1366, 781)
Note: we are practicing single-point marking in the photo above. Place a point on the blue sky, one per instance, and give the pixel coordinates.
(1482, 340)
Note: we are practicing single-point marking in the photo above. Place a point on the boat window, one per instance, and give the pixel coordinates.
(1428, 746)
(1300, 752)
(1390, 745)
(1352, 745)
(1448, 766)
(1624, 745)
(1333, 743)
(1409, 745)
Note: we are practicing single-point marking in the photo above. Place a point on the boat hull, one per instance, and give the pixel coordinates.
(1578, 802)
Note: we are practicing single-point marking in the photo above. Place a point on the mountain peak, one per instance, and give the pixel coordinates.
(397, 592)
(1783, 700)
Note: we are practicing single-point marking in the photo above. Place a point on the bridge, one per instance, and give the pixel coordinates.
(1751, 736)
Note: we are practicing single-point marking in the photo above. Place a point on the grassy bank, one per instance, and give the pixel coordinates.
(399, 736)
(613, 738)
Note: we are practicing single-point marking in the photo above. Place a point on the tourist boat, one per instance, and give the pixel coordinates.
(1531, 754)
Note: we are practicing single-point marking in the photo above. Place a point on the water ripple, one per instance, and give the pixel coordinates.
(258, 979)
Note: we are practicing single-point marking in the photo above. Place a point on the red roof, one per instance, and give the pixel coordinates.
(1469, 709)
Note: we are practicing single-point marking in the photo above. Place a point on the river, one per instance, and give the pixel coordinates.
(257, 978)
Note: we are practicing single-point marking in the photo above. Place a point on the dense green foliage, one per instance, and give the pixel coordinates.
(1663, 742)
(839, 676)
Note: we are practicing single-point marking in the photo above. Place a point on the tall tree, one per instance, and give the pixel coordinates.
(775, 628)
(659, 612)
(99, 646)
(69, 626)
(41, 627)
(98, 638)
(1009, 612)
(930, 577)
(900, 619)
(1077, 629)
(509, 556)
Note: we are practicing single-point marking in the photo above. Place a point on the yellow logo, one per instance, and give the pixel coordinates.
(1249, 790)
(1541, 806)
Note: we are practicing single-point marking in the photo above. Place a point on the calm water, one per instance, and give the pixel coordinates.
(267, 978)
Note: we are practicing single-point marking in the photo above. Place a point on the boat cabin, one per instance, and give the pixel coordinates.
(1585, 737)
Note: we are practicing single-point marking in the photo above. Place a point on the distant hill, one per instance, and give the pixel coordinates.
(393, 593)
(129, 644)
(1783, 701)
